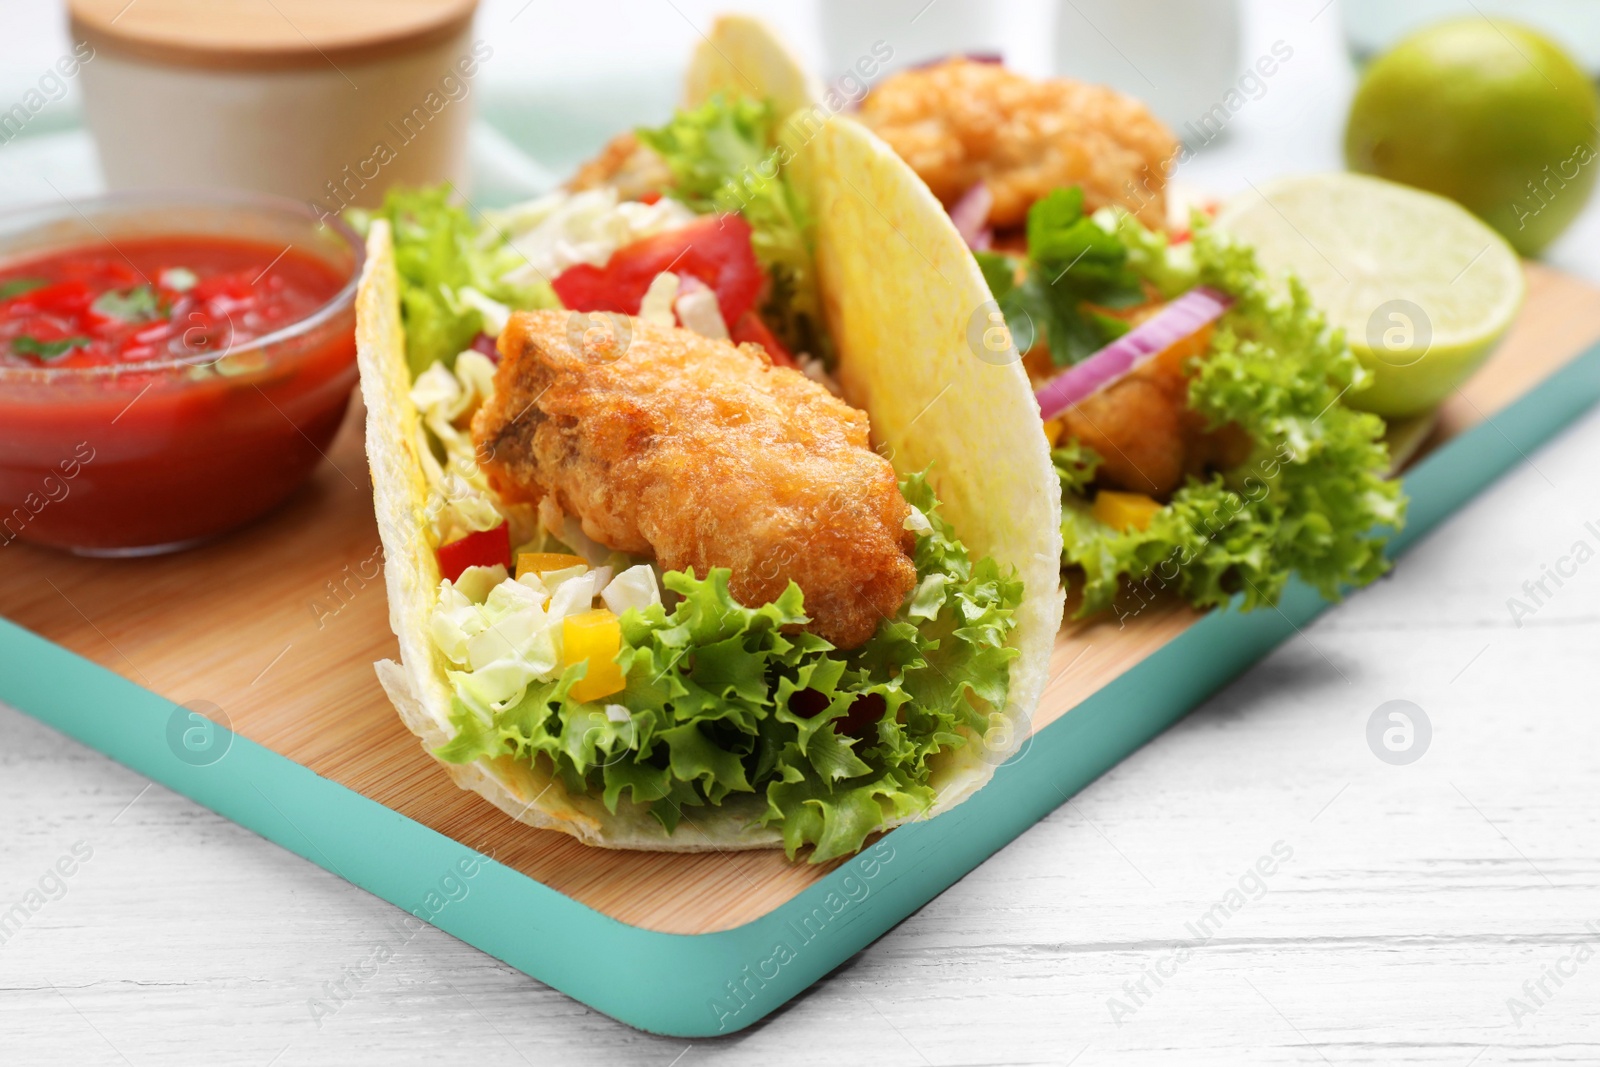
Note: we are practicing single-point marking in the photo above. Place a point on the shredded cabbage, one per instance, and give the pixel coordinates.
(503, 634)
(460, 500)
(562, 229)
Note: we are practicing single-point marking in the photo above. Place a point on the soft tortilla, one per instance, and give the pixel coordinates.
(899, 287)
(741, 56)
(908, 309)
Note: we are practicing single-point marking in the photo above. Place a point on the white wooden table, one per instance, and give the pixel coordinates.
(1442, 912)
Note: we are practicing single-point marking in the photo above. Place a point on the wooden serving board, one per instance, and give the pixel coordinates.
(273, 631)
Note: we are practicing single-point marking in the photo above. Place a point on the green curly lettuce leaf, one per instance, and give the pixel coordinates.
(440, 249)
(1076, 465)
(1313, 499)
(725, 156)
(724, 700)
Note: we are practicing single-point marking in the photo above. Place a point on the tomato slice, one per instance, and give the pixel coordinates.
(68, 298)
(484, 548)
(751, 329)
(234, 286)
(715, 249)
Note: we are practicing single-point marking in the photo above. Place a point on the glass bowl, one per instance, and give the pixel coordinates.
(146, 457)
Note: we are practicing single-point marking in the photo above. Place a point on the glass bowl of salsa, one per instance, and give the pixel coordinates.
(172, 364)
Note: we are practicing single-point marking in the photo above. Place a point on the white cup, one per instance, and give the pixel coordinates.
(1181, 57)
(909, 31)
(335, 135)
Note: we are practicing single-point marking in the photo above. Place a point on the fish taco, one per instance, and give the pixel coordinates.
(1198, 408)
(704, 526)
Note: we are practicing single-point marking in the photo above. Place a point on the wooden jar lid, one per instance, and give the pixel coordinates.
(266, 34)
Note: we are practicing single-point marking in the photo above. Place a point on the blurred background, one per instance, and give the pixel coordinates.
(564, 77)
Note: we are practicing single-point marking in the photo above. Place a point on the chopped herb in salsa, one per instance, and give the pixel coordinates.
(17, 286)
(139, 304)
(32, 346)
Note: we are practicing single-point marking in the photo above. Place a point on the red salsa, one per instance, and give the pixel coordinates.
(139, 412)
(160, 298)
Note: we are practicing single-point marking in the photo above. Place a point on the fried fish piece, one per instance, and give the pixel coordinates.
(1148, 437)
(706, 455)
(960, 122)
(626, 165)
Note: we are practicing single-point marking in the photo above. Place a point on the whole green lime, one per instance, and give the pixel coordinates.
(1489, 113)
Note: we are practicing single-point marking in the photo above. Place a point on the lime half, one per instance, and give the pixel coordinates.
(1422, 289)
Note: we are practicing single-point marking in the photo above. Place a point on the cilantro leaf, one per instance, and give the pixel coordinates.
(999, 272)
(1018, 303)
(138, 304)
(1073, 262)
(17, 286)
(47, 350)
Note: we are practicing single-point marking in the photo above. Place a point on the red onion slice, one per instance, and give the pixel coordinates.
(1171, 324)
(486, 344)
(971, 216)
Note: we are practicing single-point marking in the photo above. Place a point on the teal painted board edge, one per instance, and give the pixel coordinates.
(706, 984)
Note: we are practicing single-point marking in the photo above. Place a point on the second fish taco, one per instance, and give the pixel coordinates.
(1196, 405)
(704, 526)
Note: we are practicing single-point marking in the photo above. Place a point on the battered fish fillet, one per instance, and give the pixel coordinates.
(960, 122)
(1148, 437)
(625, 164)
(705, 455)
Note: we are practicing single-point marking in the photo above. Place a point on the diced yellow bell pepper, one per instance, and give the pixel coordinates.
(540, 562)
(594, 635)
(1124, 511)
(1174, 356)
(1053, 429)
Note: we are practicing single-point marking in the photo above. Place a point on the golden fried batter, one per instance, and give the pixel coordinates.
(1144, 430)
(624, 163)
(960, 122)
(706, 455)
